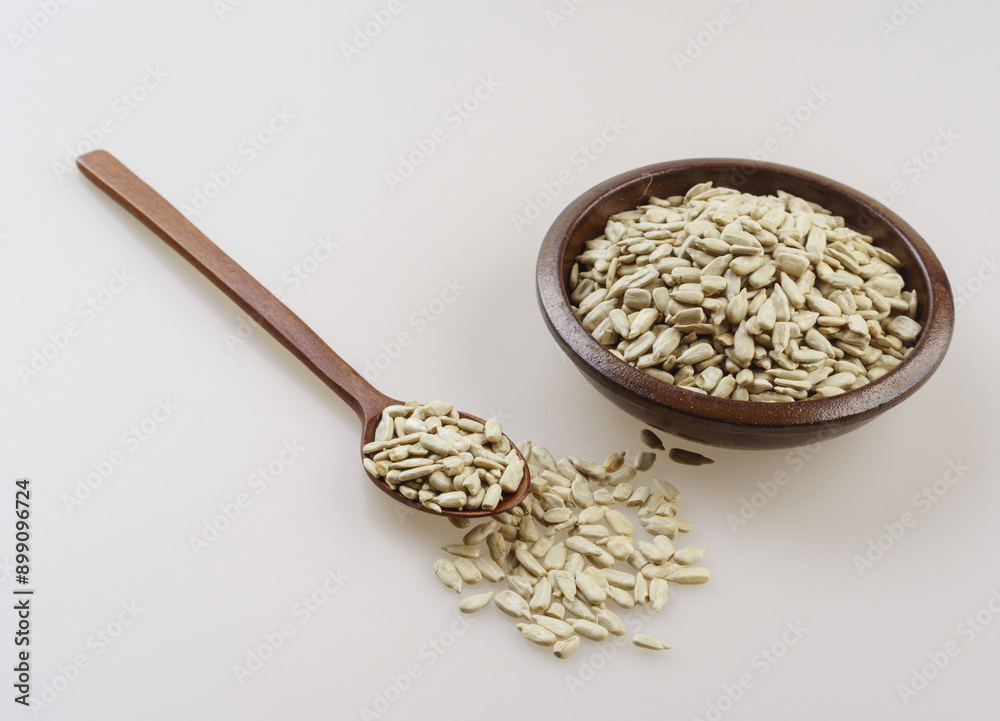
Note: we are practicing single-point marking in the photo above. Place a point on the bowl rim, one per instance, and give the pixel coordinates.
(867, 401)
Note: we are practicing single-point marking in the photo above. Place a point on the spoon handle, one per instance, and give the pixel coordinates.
(166, 221)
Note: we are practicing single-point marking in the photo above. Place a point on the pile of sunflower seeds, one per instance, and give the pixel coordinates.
(762, 298)
(430, 454)
(558, 551)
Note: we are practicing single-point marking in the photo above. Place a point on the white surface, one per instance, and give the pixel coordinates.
(164, 337)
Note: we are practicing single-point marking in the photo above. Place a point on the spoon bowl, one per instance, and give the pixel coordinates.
(111, 176)
(507, 502)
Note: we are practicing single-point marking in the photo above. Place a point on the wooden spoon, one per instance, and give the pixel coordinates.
(166, 221)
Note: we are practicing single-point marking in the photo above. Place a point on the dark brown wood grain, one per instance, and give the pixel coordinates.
(724, 422)
(111, 176)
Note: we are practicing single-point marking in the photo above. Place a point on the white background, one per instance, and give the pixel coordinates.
(883, 87)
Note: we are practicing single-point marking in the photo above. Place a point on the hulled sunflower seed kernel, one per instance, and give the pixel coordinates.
(589, 629)
(688, 556)
(448, 575)
(537, 634)
(644, 460)
(471, 604)
(611, 621)
(659, 590)
(649, 642)
(468, 571)
(557, 626)
(458, 549)
(690, 575)
(566, 647)
(489, 569)
(512, 604)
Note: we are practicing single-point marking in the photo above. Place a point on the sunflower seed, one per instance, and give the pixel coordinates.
(590, 589)
(589, 629)
(477, 534)
(541, 597)
(566, 647)
(658, 592)
(644, 461)
(688, 556)
(537, 634)
(462, 550)
(489, 569)
(582, 545)
(618, 523)
(471, 604)
(690, 575)
(512, 604)
(654, 644)
(448, 575)
(528, 562)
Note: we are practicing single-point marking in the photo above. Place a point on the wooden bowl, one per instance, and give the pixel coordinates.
(721, 421)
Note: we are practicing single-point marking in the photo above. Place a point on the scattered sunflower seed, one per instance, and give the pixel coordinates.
(566, 647)
(448, 575)
(537, 634)
(567, 549)
(644, 460)
(654, 644)
(471, 604)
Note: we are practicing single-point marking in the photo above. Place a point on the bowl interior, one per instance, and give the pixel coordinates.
(663, 405)
(858, 212)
